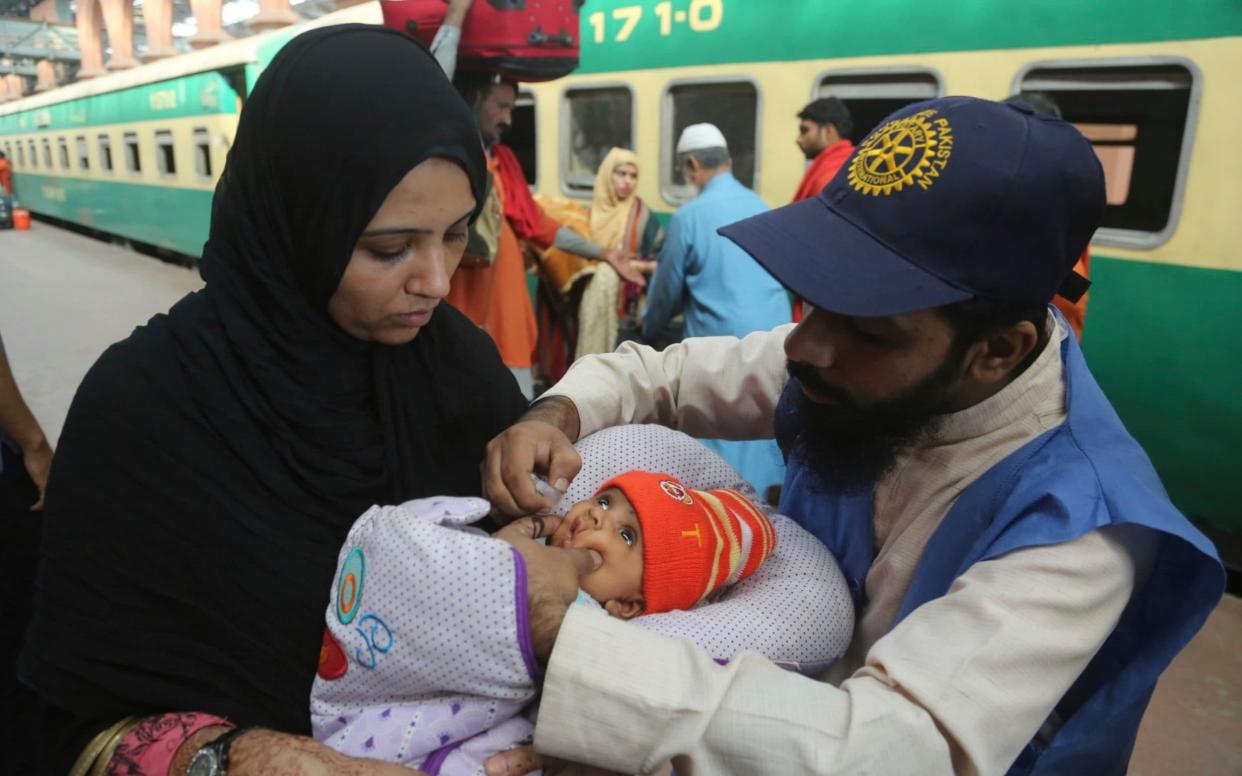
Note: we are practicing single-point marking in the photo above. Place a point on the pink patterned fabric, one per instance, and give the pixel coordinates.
(149, 748)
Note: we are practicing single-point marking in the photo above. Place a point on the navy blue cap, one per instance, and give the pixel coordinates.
(947, 200)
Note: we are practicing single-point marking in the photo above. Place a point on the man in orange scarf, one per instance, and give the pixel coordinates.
(490, 284)
(824, 127)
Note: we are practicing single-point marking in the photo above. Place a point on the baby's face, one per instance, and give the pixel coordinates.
(607, 524)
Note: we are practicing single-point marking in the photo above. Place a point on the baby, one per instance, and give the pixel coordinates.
(426, 659)
(664, 546)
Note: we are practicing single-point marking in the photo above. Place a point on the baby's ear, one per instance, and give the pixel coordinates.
(625, 608)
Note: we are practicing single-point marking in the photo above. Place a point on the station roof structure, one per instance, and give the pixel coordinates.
(23, 41)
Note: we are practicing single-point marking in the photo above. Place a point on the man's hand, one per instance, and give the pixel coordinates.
(524, 759)
(456, 13)
(38, 462)
(553, 576)
(540, 442)
(623, 263)
(521, 760)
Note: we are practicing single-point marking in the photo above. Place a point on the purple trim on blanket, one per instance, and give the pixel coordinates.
(522, 605)
(435, 761)
(721, 661)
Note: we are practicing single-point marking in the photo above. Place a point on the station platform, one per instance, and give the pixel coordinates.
(65, 297)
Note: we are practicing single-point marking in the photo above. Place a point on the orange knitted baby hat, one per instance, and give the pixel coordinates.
(694, 541)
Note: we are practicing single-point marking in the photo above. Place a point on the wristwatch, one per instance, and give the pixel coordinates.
(213, 758)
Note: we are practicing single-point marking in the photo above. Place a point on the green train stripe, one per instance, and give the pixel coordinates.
(642, 34)
(203, 94)
(1163, 343)
(122, 208)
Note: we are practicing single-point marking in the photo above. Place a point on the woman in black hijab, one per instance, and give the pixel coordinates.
(213, 462)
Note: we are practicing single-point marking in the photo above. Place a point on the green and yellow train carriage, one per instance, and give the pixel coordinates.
(137, 153)
(128, 156)
(1153, 84)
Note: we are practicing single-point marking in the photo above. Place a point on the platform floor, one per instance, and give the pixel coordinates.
(65, 297)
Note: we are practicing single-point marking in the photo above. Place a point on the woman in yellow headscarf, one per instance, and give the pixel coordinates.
(619, 219)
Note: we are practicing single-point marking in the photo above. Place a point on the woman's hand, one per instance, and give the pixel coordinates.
(260, 752)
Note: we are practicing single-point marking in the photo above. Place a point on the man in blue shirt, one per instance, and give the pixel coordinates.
(718, 286)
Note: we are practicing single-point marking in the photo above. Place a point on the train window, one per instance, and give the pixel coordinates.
(521, 135)
(63, 145)
(870, 95)
(165, 159)
(1140, 115)
(21, 154)
(84, 159)
(733, 106)
(133, 160)
(202, 152)
(105, 153)
(595, 119)
(47, 153)
(34, 157)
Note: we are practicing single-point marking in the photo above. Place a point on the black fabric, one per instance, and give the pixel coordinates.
(19, 552)
(212, 463)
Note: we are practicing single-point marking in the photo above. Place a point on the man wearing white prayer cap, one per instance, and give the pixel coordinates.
(698, 137)
(719, 287)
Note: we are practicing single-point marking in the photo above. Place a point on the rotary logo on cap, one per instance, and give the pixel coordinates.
(903, 152)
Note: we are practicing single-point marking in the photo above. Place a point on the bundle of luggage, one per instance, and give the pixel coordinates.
(521, 40)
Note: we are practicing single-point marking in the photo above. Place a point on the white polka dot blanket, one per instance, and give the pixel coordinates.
(426, 658)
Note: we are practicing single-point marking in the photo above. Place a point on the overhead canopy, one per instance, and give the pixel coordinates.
(22, 41)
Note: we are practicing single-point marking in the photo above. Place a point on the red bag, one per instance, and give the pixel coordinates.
(523, 40)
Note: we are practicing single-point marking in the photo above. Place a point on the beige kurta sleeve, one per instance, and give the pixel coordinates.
(715, 387)
(959, 686)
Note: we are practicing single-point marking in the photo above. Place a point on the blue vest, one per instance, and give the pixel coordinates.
(1086, 473)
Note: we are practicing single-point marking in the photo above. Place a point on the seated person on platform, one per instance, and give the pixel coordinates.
(427, 662)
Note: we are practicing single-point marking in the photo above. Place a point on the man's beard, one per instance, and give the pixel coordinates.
(850, 445)
(811, 153)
